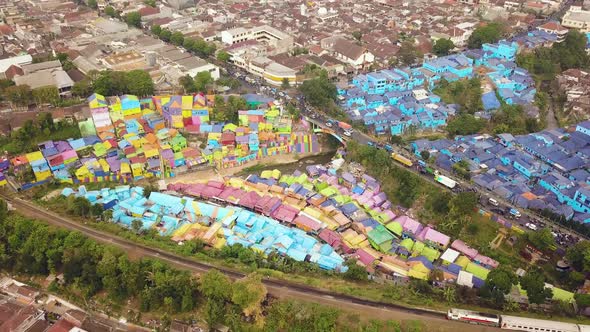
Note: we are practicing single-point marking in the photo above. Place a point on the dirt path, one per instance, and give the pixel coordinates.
(551, 120)
(212, 174)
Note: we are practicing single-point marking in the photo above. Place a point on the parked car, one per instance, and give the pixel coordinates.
(388, 148)
(329, 124)
(371, 144)
(347, 133)
(531, 226)
(493, 202)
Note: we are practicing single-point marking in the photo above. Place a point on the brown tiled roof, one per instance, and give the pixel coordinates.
(348, 49)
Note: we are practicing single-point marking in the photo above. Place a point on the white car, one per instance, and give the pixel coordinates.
(347, 133)
(493, 202)
(329, 124)
(531, 226)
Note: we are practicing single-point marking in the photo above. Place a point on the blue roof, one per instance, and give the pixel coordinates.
(490, 101)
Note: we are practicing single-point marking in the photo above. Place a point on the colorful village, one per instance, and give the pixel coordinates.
(325, 216)
(129, 139)
(392, 100)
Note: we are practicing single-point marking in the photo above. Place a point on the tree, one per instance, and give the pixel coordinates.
(248, 294)
(502, 279)
(177, 38)
(133, 19)
(465, 124)
(82, 88)
(293, 111)
(534, 284)
(408, 54)
(188, 43)
(139, 83)
(165, 35)
(19, 95)
(489, 33)
(285, 83)
(215, 285)
(463, 204)
(3, 210)
(110, 11)
(136, 225)
(187, 83)
(443, 46)
(92, 4)
(542, 239)
(156, 30)
(46, 95)
(425, 155)
(357, 35)
(355, 272)
(579, 256)
(223, 56)
(319, 92)
(202, 80)
(151, 3)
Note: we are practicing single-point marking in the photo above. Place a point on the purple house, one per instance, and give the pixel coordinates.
(411, 227)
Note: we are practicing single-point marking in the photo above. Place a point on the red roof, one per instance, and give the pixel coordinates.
(5, 29)
(13, 71)
(147, 11)
(62, 325)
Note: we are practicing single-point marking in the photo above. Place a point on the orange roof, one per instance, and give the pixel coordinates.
(529, 195)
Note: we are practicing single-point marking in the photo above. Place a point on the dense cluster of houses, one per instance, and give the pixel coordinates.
(392, 100)
(321, 216)
(127, 138)
(544, 170)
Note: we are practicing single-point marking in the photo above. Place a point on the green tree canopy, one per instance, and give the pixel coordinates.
(177, 38)
(223, 56)
(408, 54)
(133, 19)
(534, 284)
(110, 11)
(165, 35)
(92, 4)
(443, 46)
(248, 294)
(465, 124)
(156, 30)
(139, 83)
(46, 95)
(355, 272)
(542, 239)
(502, 279)
(489, 33)
(319, 92)
(19, 95)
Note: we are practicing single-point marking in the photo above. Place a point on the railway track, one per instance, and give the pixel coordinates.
(276, 287)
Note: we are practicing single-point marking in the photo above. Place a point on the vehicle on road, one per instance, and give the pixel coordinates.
(514, 213)
(401, 159)
(388, 148)
(371, 144)
(531, 226)
(347, 133)
(444, 180)
(329, 124)
(344, 125)
(493, 202)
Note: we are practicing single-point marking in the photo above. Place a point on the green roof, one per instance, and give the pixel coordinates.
(380, 238)
(430, 254)
(477, 270)
(407, 243)
(562, 295)
(395, 228)
(418, 247)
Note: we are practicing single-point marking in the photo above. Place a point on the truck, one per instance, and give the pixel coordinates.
(445, 181)
(514, 213)
(344, 126)
(401, 159)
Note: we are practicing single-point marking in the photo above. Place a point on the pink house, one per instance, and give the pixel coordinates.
(463, 248)
(411, 227)
(486, 262)
(364, 257)
(434, 237)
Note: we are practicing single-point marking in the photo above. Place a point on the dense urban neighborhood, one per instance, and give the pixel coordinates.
(182, 165)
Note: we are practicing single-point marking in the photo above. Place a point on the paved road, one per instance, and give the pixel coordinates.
(527, 216)
(278, 288)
